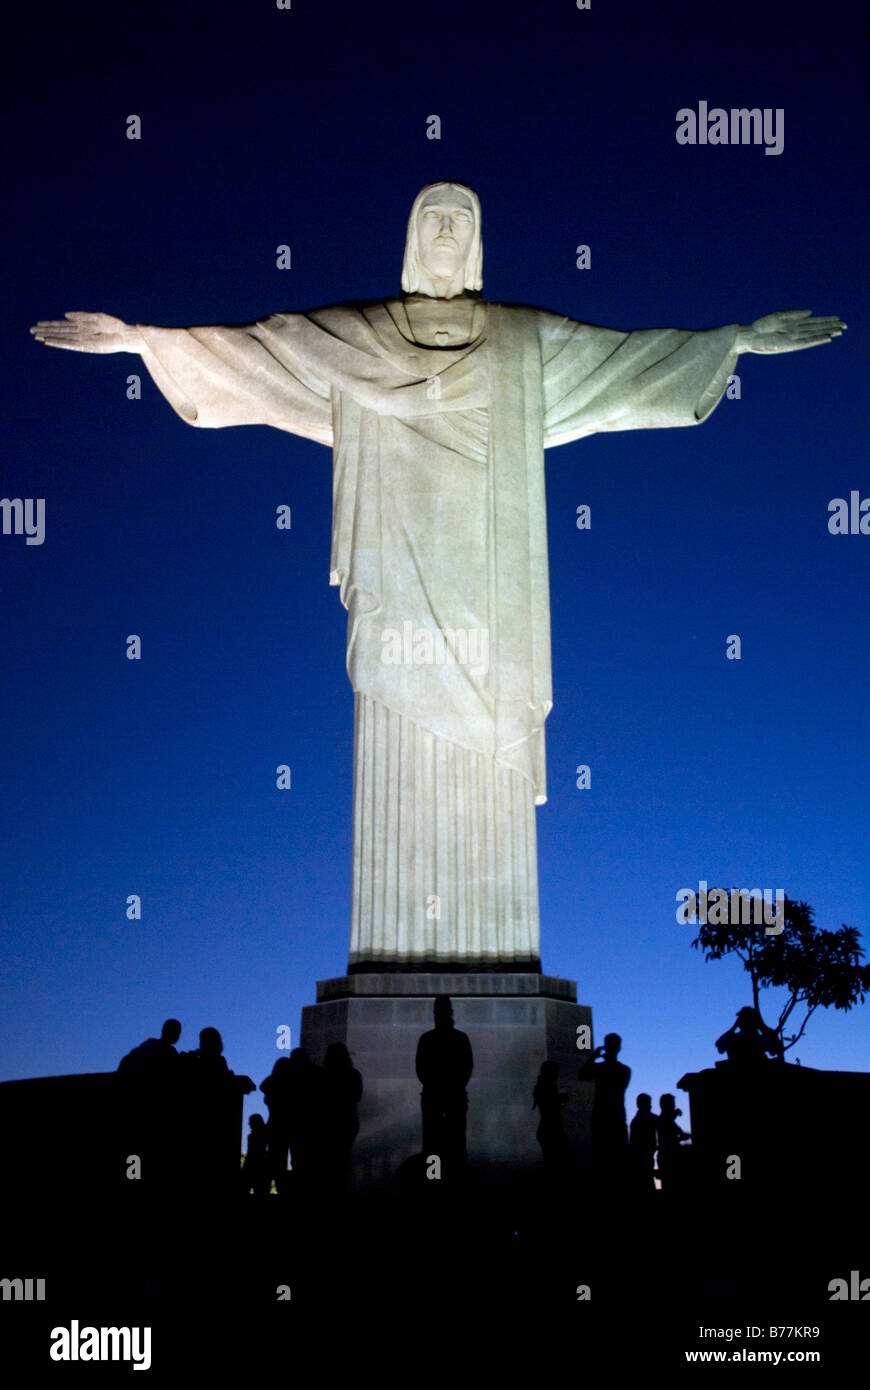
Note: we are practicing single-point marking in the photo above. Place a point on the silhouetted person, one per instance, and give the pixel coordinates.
(294, 1095)
(642, 1141)
(444, 1064)
(209, 1066)
(276, 1090)
(671, 1138)
(150, 1105)
(154, 1054)
(609, 1133)
(748, 1040)
(549, 1100)
(342, 1092)
(256, 1176)
(209, 1138)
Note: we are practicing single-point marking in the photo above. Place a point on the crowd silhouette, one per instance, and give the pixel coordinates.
(179, 1109)
(175, 1121)
(312, 1118)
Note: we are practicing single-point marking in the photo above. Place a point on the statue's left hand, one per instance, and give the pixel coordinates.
(79, 332)
(789, 332)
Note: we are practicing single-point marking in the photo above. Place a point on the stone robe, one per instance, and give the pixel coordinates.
(440, 554)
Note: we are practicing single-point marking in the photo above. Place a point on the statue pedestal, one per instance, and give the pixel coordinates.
(514, 1023)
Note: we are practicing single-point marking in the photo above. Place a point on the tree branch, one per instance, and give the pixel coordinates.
(791, 1042)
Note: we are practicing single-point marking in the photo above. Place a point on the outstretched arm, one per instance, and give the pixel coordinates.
(788, 332)
(81, 332)
(600, 379)
(216, 375)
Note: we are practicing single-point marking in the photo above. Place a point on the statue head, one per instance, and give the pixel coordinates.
(444, 248)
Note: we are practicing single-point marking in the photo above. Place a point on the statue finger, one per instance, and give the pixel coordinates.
(69, 343)
(808, 343)
(822, 332)
(61, 329)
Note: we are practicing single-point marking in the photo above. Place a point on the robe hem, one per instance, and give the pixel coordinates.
(441, 965)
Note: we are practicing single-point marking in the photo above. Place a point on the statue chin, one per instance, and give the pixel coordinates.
(448, 271)
(441, 286)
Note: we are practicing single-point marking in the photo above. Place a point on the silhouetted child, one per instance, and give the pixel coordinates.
(256, 1177)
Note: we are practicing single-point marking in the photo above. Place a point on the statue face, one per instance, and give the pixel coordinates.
(445, 227)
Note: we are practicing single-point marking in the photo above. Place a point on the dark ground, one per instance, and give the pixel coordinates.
(456, 1277)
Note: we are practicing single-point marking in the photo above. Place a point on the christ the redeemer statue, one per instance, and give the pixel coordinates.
(438, 406)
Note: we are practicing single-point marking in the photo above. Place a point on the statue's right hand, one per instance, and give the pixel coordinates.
(88, 333)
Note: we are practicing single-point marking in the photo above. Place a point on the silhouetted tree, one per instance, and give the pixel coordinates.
(820, 969)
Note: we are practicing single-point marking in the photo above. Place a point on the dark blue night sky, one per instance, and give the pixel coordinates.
(308, 127)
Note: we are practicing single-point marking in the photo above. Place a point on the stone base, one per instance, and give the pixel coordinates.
(514, 1022)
